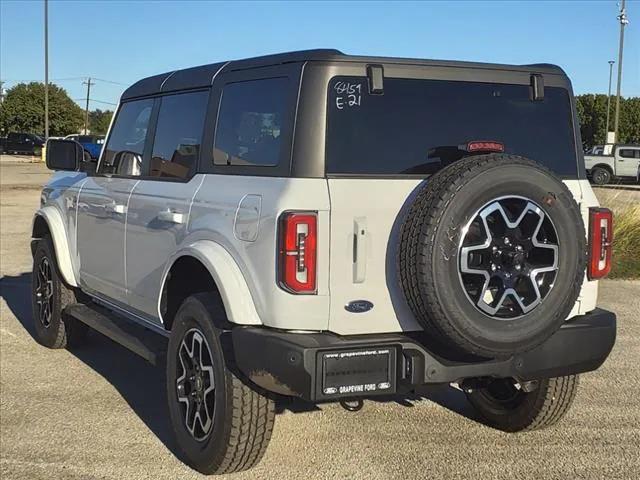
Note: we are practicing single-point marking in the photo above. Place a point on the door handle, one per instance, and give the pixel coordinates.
(359, 249)
(115, 208)
(171, 216)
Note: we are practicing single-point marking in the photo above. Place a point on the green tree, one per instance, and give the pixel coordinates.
(99, 121)
(592, 114)
(23, 110)
(630, 120)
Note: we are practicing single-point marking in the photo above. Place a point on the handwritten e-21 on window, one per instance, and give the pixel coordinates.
(348, 94)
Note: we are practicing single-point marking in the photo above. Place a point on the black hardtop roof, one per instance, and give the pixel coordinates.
(202, 76)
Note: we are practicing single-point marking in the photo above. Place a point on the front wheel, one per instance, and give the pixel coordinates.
(504, 405)
(221, 424)
(50, 296)
(600, 176)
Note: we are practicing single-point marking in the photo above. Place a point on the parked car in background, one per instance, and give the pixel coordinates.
(595, 150)
(91, 143)
(623, 163)
(22, 143)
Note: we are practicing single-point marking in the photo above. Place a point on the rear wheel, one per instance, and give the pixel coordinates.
(50, 296)
(222, 424)
(504, 404)
(600, 176)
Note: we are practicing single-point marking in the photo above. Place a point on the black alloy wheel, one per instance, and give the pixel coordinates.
(49, 298)
(508, 257)
(44, 292)
(600, 176)
(195, 384)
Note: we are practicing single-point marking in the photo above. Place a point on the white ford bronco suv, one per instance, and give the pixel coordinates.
(332, 228)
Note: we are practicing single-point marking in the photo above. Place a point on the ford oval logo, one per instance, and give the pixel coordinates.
(358, 306)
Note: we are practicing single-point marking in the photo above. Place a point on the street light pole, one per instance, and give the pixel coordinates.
(606, 132)
(46, 69)
(623, 23)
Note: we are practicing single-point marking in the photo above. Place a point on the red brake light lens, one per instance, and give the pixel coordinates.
(600, 242)
(298, 252)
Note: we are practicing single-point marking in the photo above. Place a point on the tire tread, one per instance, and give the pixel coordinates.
(251, 414)
(542, 408)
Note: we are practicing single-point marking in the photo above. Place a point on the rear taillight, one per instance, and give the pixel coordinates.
(298, 250)
(600, 238)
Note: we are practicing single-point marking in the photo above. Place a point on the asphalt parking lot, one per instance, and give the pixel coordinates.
(99, 411)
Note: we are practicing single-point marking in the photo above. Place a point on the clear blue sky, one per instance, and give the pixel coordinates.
(125, 41)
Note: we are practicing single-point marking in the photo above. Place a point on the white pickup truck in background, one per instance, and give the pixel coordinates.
(623, 162)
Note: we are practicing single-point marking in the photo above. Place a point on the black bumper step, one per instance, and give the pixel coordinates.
(133, 337)
(295, 363)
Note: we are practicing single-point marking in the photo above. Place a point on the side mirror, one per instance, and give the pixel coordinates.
(64, 155)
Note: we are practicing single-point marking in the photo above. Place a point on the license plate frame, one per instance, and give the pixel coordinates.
(357, 372)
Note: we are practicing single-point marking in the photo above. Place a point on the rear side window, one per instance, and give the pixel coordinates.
(178, 136)
(123, 152)
(418, 126)
(629, 153)
(249, 123)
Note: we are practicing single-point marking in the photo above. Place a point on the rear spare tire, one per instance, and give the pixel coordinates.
(492, 255)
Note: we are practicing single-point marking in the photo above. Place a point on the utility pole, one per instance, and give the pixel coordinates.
(88, 83)
(606, 132)
(623, 23)
(46, 69)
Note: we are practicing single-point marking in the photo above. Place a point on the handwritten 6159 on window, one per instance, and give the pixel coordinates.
(347, 94)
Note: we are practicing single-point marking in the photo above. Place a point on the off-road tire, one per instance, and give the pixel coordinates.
(534, 410)
(62, 331)
(600, 176)
(243, 418)
(428, 260)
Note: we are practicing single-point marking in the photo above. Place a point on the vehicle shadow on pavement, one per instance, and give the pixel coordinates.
(143, 386)
(140, 384)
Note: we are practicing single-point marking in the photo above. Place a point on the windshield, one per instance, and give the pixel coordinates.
(416, 127)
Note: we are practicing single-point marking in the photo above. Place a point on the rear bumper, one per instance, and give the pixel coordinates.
(293, 363)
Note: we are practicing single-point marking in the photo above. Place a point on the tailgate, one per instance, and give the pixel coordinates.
(364, 240)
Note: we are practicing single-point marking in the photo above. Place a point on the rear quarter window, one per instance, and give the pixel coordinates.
(416, 126)
(250, 123)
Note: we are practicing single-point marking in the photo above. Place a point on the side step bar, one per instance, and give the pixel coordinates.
(132, 336)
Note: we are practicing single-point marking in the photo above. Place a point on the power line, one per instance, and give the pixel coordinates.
(65, 79)
(93, 100)
(111, 81)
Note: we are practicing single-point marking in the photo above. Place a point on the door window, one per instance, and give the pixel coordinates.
(176, 146)
(124, 149)
(249, 123)
(628, 153)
